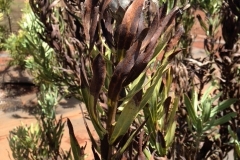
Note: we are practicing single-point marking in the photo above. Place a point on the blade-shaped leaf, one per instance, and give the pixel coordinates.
(128, 28)
(202, 23)
(94, 143)
(160, 143)
(190, 109)
(206, 111)
(122, 70)
(76, 149)
(170, 134)
(130, 139)
(222, 105)
(225, 118)
(89, 101)
(206, 95)
(99, 74)
(166, 105)
(124, 121)
(173, 112)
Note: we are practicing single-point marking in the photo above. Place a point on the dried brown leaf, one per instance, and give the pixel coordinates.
(99, 74)
(93, 27)
(160, 139)
(144, 58)
(166, 105)
(122, 70)
(127, 30)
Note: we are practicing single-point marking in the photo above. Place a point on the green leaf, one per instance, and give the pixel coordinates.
(76, 150)
(225, 118)
(190, 109)
(135, 87)
(155, 84)
(235, 141)
(89, 101)
(195, 101)
(130, 139)
(216, 97)
(222, 105)
(170, 134)
(172, 115)
(202, 23)
(206, 95)
(124, 121)
(161, 143)
(199, 126)
(206, 111)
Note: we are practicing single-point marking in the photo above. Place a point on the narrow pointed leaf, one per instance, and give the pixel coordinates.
(93, 27)
(206, 111)
(170, 133)
(99, 74)
(206, 94)
(202, 23)
(160, 143)
(94, 143)
(76, 150)
(225, 118)
(128, 28)
(222, 105)
(125, 120)
(173, 112)
(166, 105)
(190, 109)
(122, 70)
(130, 139)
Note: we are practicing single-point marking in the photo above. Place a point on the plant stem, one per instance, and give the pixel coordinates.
(110, 121)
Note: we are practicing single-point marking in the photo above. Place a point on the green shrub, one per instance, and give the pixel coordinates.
(41, 140)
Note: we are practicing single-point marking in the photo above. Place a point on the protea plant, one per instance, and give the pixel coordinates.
(108, 53)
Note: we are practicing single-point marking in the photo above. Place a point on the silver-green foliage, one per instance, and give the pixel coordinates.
(41, 140)
(30, 51)
(203, 117)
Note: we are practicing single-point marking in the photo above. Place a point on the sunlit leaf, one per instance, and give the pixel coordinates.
(76, 149)
(222, 105)
(190, 109)
(125, 120)
(225, 118)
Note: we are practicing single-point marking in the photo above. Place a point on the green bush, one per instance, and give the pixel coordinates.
(41, 140)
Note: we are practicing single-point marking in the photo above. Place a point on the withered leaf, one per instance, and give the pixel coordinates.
(163, 26)
(104, 6)
(77, 150)
(138, 97)
(89, 7)
(99, 74)
(166, 105)
(107, 33)
(127, 30)
(174, 41)
(140, 147)
(139, 66)
(152, 30)
(93, 27)
(144, 58)
(122, 70)
(160, 139)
